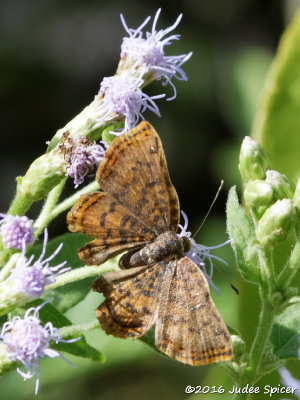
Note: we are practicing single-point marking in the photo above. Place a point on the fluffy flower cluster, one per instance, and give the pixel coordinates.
(33, 278)
(81, 156)
(16, 231)
(27, 340)
(124, 96)
(201, 254)
(141, 58)
(28, 279)
(148, 52)
(121, 98)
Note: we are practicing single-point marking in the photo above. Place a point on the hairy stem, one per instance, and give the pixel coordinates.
(67, 203)
(288, 272)
(45, 216)
(81, 273)
(252, 374)
(261, 338)
(20, 204)
(77, 330)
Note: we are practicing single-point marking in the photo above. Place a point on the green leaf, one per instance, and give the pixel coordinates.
(285, 333)
(48, 313)
(277, 122)
(69, 295)
(242, 232)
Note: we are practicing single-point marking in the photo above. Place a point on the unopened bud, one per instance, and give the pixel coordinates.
(258, 193)
(239, 346)
(43, 175)
(253, 160)
(275, 223)
(282, 187)
(296, 202)
(296, 197)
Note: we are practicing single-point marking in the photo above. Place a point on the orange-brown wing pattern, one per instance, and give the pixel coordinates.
(96, 253)
(99, 215)
(134, 172)
(189, 327)
(132, 299)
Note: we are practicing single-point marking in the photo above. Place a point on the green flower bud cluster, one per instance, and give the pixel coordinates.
(270, 195)
(43, 175)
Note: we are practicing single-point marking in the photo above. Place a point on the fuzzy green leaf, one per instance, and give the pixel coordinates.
(242, 233)
(277, 122)
(285, 333)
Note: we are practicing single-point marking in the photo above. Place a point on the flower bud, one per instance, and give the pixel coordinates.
(275, 223)
(282, 187)
(296, 197)
(253, 160)
(43, 175)
(296, 202)
(258, 193)
(277, 299)
(239, 347)
(290, 292)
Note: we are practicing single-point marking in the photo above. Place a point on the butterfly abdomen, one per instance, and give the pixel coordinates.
(165, 247)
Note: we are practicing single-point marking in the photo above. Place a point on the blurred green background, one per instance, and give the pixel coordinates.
(53, 57)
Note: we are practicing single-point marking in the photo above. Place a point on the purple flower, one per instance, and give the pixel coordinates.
(31, 279)
(122, 95)
(289, 381)
(15, 230)
(148, 52)
(27, 340)
(200, 254)
(81, 156)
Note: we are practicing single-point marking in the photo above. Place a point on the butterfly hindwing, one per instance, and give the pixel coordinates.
(189, 327)
(134, 172)
(132, 300)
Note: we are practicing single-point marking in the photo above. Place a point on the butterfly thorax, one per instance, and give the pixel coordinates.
(166, 247)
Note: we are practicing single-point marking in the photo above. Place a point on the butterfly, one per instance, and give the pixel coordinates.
(138, 212)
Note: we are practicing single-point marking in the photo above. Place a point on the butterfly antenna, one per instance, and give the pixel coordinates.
(211, 206)
(226, 279)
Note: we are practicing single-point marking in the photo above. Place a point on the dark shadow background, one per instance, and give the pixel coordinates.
(53, 57)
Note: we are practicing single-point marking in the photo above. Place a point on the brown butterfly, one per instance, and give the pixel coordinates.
(138, 212)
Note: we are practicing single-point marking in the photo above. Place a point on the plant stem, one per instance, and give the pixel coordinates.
(75, 330)
(45, 215)
(20, 204)
(261, 338)
(50, 210)
(241, 396)
(288, 272)
(266, 319)
(67, 203)
(80, 273)
(5, 271)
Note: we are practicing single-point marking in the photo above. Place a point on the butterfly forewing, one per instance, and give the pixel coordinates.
(134, 172)
(189, 327)
(116, 229)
